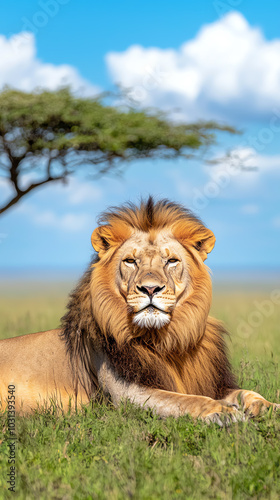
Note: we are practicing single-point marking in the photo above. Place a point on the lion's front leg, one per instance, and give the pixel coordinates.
(250, 402)
(165, 403)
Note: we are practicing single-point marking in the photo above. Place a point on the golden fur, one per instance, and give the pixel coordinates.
(137, 325)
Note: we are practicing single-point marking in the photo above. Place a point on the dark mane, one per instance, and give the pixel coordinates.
(78, 329)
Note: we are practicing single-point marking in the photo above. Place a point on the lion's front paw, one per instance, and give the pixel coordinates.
(223, 414)
(259, 406)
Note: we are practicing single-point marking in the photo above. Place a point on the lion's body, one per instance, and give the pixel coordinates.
(38, 366)
(137, 326)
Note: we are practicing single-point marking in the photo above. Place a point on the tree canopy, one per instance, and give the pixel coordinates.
(47, 136)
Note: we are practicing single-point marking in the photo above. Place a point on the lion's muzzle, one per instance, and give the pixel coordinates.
(152, 305)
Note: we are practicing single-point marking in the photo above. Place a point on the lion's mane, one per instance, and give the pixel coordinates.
(188, 355)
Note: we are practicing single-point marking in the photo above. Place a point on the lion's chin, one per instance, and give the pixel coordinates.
(151, 319)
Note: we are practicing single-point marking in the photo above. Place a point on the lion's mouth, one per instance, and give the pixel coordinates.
(151, 317)
(151, 309)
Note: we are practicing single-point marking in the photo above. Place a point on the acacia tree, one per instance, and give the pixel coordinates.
(46, 137)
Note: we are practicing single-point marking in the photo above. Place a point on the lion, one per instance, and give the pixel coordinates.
(137, 327)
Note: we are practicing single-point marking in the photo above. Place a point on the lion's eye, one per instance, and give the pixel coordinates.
(129, 261)
(172, 261)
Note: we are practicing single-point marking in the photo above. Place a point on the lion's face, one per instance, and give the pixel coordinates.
(149, 281)
(153, 277)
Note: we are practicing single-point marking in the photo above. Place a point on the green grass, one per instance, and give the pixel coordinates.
(109, 453)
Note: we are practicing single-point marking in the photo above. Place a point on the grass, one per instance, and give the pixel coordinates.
(108, 453)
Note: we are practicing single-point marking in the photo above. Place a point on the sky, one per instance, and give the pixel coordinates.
(194, 60)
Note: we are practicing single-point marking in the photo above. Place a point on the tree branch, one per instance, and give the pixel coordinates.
(49, 165)
(7, 149)
(21, 194)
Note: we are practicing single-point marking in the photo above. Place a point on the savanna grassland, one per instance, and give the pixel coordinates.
(109, 453)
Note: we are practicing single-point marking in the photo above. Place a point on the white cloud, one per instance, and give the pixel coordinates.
(266, 163)
(79, 192)
(245, 176)
(244, 167)
(229, 70)
(20, 68)
(69, 222)
(75, 191)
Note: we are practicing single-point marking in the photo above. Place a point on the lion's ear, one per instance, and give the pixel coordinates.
(105, 237)
(101, 238)
(206, 244)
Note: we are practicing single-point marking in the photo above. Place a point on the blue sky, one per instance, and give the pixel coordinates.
(207, 59)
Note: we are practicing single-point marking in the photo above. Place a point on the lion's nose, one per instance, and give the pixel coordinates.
(150, 290)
